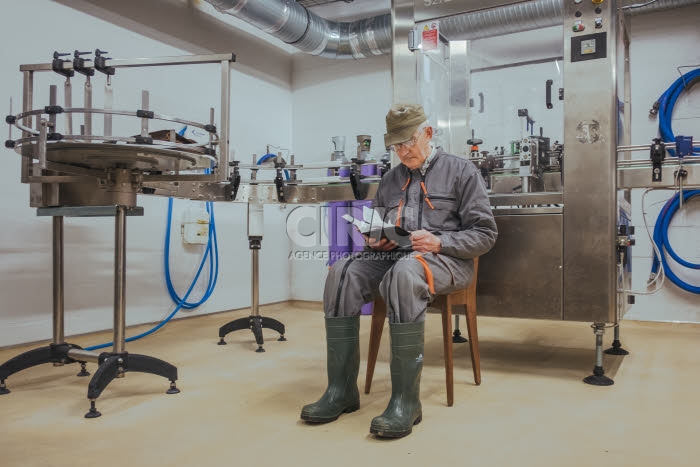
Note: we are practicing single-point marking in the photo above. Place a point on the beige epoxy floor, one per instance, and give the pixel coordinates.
(238, 407)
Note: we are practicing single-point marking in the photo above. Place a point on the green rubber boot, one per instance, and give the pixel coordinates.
(404, 409)
(343, 365)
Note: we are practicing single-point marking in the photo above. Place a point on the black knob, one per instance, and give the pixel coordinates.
(99, 53)
(56, 55)
(77, 54)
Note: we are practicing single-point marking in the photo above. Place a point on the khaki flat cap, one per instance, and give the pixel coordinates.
(402, 121)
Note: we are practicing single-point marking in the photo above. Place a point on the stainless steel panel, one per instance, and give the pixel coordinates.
(459, 95)
(590, 191)
(526, 199)
(526, 211)
(640, 176)
(551, 182)
(433, 9)
(403, 61)
(521, 276)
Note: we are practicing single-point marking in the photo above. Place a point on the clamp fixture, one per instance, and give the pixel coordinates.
(58, 64)
(79, 64)
(657, 154)
(101, 62)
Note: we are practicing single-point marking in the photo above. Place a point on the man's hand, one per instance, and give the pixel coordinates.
(425, 242)
(384, 244)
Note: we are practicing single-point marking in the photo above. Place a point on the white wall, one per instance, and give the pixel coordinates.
(660, 43)
(260, 114)
(334, 98)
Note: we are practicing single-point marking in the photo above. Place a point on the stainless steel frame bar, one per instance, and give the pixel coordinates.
(81, 355)
(141, 62)
(119, 343)
(222, 166)
(58, 303)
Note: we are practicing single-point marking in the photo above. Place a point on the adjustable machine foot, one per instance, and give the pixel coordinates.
(457, 337)
(92, 413)
(616, 348)
(83, 370)
(598, 377)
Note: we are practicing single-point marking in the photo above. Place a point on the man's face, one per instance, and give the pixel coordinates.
(415, 151)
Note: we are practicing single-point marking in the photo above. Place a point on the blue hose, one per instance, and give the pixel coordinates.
(267, 157)
(664, 245)
(667, 102)
(211, 254)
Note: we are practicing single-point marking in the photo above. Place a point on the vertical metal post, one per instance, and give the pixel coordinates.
(119, 279)
(109, 103)
(68, 102)
(58, 309)
(255, 282)
(88, 105)
(144, 106)
(255, 234)
(27, 97)
(460, 74)
(222, 169)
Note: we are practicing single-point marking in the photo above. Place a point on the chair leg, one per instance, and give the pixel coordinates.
(473, 339)
(447, 342)
(375, 338)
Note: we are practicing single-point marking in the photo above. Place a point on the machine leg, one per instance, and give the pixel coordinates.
(254, 322)
(616, 348)
(117, 363)
(114, 365)
(457, 337)
(52, 353)
(598, 377)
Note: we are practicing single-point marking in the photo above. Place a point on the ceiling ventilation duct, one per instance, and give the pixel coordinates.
(292, 23)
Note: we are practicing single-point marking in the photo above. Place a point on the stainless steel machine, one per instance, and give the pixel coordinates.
(91, 173)
(562, 205)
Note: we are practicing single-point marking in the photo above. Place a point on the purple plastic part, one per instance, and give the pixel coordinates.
(344, 172)
(368, 169)
(338, 232)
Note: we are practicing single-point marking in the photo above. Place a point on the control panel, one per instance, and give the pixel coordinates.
(590, 33)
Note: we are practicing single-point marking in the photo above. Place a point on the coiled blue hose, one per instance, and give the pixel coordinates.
(211, 254)
(667, 102)
(662, 242)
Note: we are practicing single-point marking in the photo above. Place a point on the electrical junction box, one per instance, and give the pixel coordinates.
(195, 226)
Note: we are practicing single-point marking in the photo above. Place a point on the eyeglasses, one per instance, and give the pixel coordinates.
(406, 144)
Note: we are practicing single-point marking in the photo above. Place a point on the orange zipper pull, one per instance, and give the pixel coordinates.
(425, 192)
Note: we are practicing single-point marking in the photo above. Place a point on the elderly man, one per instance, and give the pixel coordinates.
(441, 199)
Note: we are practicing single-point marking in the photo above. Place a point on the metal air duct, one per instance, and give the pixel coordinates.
(292, 23)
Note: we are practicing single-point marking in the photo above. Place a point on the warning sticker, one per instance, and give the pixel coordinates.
(429, 38)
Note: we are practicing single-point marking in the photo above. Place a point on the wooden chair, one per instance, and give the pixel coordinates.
(465, 297)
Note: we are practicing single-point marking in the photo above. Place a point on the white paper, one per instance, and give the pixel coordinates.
(372, 220)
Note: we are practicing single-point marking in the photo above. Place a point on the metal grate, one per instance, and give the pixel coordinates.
(308, 3)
